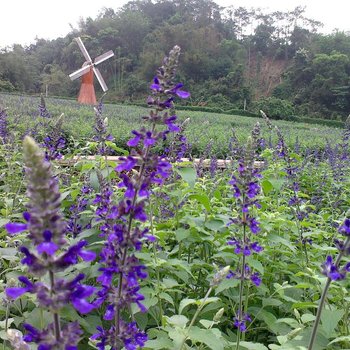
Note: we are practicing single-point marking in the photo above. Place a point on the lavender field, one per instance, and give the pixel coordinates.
(149, 252)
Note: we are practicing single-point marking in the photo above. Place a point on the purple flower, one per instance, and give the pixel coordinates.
(170, 123)
(156, 85)
(256, 247)
(15, 227)
(241, 324)
(78, 298)
(127, 164)
(331, 270)
(69, 336)
(47, 246)
(253, 225)
(149, 140)
(255, 278)
(134, 142)
(15, 292)
(70, 257)
(253, 189)
(345, 228)
(4, 133)
(176, 90)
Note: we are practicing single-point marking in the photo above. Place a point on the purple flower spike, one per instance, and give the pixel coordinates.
(119, 223)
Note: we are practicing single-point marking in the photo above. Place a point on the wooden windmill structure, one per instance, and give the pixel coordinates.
(87, 91)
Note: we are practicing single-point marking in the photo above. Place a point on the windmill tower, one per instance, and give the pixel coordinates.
(87, 72)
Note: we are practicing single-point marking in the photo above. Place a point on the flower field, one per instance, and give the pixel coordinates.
(150, 252)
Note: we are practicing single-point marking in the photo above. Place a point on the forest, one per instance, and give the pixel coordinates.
(232, 58)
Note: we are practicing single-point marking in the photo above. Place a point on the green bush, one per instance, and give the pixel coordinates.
(275, 108)
(5, 85)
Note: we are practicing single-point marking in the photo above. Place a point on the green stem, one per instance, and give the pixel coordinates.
(324, 295)
(241, 288)
(200, 308)
(246, 301)
(156, 266)
(56, 317)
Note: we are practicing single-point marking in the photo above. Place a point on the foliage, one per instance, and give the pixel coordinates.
(276, 108)
(232, 57)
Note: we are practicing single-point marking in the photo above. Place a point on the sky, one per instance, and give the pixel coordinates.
(24, 20)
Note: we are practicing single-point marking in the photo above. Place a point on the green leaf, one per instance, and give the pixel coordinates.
(271, 302)
(206, 323)
(226, 284)
(9, 254)
(186, 302)
(276, 183)
(166, 297)
(252, 346)
(214, 225)
(257, 265)
(94, 181)
(304, 305)
(330, 320)
(3, 222)
(201, 198)
(177, 335)
(279, 239)
(178, 320)
(189, 175)
(3, 323)
(307, 318)
(113, 146)
(206, 336)
(266, 186)
(159, 344)
(345, 338)
(182, 234)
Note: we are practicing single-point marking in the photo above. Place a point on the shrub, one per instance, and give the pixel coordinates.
(275, 107)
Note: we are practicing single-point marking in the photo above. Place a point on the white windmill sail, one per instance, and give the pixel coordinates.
(91, 64)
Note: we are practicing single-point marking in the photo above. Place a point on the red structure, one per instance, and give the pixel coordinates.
(87, 91)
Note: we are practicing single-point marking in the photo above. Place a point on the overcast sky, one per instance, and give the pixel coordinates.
(23, 20)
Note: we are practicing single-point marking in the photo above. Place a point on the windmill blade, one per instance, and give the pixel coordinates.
(100, 79)
(83, 49)
(103, 57)
(80, 72)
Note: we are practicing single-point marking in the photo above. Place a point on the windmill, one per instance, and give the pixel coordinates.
(87, 91)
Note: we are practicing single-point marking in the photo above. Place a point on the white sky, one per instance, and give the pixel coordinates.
(23, 20)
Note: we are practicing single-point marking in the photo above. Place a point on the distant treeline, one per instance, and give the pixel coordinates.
(232, 58)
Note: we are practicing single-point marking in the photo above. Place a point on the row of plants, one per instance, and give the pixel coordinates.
(155, 253)
(202, 128)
